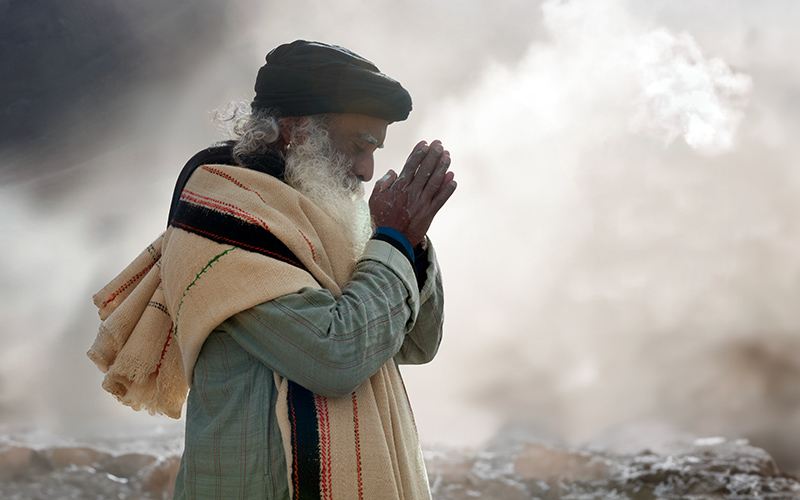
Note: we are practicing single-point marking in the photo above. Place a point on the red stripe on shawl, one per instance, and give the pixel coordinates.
(324, 422)
(129, 283)
(358, 448)
(223, 207)
(293, 415)
(164, 350)
(230, 178)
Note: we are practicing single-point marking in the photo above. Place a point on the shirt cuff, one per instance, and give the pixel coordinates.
(395, 238)
(388, 255)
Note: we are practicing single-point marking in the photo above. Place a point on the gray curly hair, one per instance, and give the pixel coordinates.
(255, 132)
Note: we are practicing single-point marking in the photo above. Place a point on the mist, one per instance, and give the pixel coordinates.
(622, 246)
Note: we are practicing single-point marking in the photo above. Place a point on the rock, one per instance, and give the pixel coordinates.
(456, 475)
(514, 468)
(449, 465)
(543, 463)
(61, 458)
(683, 467)
(712, 466)
(128, 465)
(735, 456)
(19, 461)
(158, 478)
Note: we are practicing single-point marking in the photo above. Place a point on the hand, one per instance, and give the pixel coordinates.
(410, 201)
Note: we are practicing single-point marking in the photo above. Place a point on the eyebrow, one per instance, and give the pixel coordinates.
(370, 139)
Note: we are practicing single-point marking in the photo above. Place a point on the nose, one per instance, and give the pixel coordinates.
(364, 168)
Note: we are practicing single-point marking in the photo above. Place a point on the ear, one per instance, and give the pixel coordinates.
(287, 126)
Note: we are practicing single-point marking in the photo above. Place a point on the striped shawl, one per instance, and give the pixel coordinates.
(237, 239)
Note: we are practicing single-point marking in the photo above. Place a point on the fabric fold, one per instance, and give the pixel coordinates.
(135, 346)
(365, 444)
(157, 314)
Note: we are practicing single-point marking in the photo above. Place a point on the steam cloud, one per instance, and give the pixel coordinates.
(685, 94)
(612, 273)
(622, 245)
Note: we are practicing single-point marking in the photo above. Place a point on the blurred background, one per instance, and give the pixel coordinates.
(622, 247)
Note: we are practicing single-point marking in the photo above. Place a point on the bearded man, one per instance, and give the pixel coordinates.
(274, 303)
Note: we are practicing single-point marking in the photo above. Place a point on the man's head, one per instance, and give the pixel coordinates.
(310, 78)
(325, 111)
(303, 79)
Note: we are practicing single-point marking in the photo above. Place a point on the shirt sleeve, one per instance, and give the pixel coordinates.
(331, 346)
(422, 341)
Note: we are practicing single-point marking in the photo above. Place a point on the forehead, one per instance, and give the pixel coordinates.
(367, 128)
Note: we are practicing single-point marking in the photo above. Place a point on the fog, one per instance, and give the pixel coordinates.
(622, 246)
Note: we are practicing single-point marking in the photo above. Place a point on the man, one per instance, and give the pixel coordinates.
(274, 302)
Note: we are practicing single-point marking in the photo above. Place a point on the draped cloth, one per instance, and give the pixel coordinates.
(239, 238)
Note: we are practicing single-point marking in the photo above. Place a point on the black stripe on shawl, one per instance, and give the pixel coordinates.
(305, 443)
(270, 163)
(228, 229)
(221, 154)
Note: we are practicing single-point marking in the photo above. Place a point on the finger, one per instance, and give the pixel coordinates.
(423, 145)
(384, 182)
(426, 166)
(382, 185)
(413, 161)
(433, 206)
(437, 177)
(448, 188)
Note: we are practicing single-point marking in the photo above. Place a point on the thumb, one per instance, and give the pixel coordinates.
(386, 181)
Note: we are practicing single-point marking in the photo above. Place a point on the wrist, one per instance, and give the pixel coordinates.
(395, 238)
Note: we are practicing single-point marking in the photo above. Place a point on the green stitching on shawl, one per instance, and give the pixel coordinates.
(196, 278)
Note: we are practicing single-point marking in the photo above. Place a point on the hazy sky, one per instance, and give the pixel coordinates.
(622, 245)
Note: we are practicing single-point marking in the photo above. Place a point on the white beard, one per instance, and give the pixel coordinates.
(325, 176)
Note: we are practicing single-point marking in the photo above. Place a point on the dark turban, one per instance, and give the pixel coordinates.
(308, 78)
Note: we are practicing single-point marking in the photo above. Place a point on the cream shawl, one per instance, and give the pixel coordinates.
(158, 312)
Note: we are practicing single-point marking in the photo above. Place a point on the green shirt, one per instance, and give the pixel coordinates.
(233, 446)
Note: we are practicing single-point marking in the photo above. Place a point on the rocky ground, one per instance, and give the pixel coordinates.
(512, 467)
(84, 473)
(703, 469)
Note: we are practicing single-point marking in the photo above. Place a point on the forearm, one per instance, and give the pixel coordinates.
(331, 346)
(422, 341)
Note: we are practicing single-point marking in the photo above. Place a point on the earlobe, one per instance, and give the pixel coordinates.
(286, 126)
